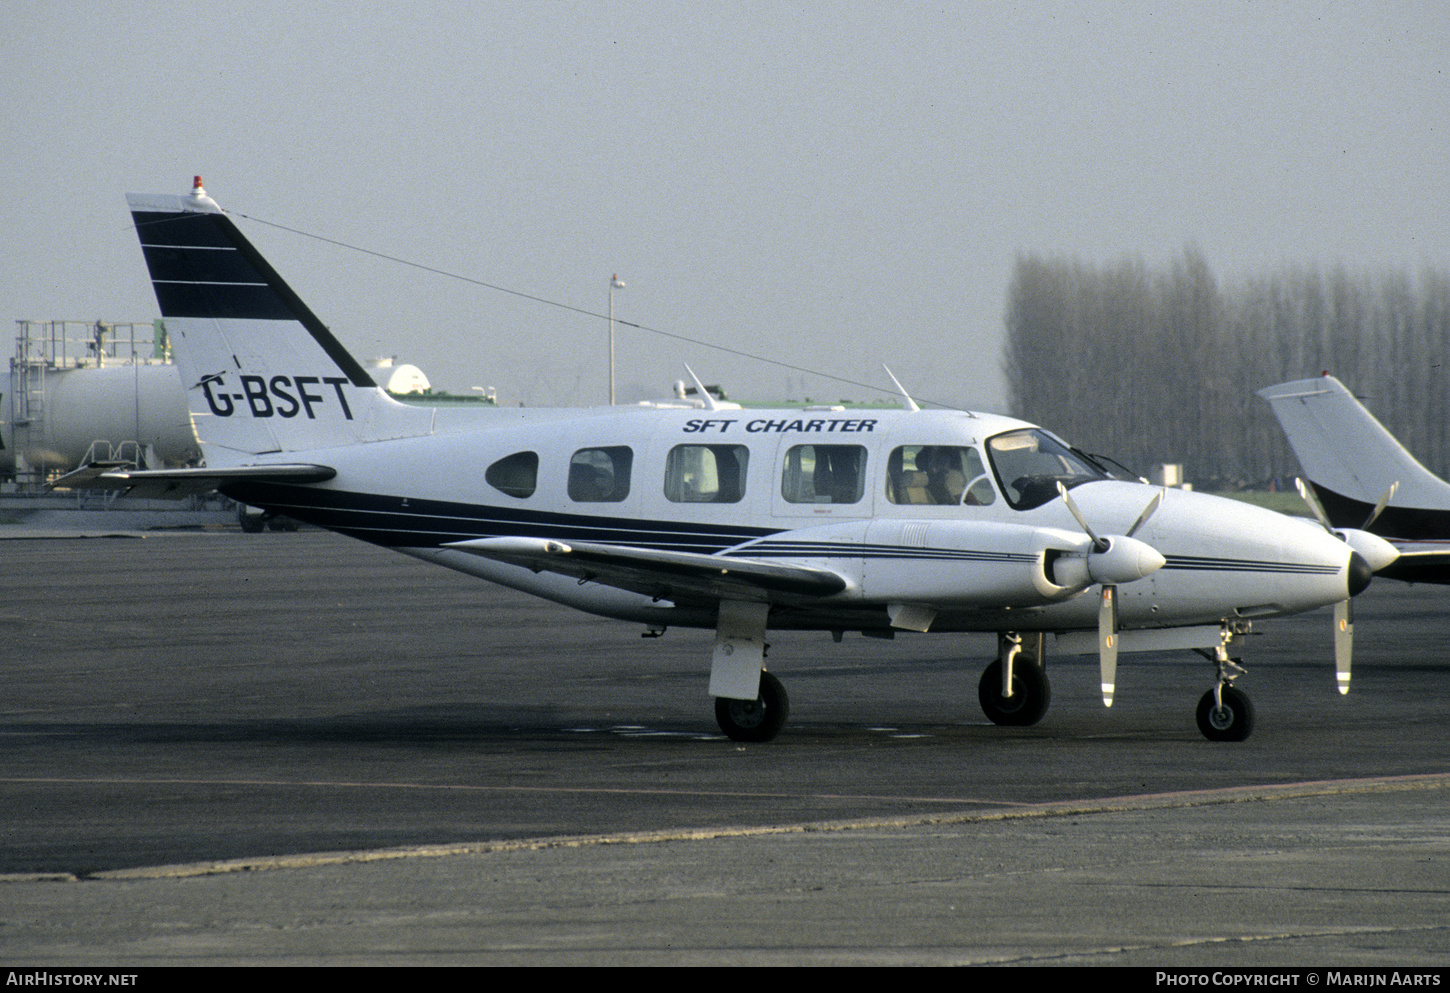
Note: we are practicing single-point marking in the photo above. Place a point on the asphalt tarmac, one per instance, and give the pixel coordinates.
(297, 749)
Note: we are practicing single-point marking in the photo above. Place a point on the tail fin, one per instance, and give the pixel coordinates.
(1342, 448)
(262, 373)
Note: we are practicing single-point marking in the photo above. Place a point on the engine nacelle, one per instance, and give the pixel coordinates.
(950, 563)
(1124, 560)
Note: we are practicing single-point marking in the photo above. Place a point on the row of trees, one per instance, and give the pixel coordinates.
(1161, 365)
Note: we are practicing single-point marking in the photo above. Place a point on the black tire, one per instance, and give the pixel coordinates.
(1031, 695)
(280, 523)
(754, 720)
(251, 523)
(1234, 722)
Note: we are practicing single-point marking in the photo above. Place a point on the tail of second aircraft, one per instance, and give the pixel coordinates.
(261, 372)
(1344, 450)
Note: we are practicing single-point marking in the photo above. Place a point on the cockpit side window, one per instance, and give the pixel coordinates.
(824, 474)
(1030, 463)
(938, 475)
(600, 475)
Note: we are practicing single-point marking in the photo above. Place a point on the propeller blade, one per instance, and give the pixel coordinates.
(1099, 545)
(1379, 508)
(1108, 642)
(1307, 495)
(1147, 513)
(1343, 643)
(1344, 609)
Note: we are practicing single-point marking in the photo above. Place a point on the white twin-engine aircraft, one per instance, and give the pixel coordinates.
(716, 517)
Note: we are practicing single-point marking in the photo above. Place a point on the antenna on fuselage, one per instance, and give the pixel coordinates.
(910, 403)
(709, 400)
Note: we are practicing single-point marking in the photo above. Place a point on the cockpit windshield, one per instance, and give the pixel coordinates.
(1030, 463)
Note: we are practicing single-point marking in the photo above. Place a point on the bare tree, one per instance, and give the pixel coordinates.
(1162, 365)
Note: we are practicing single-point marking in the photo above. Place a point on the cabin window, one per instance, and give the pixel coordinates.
(938, 475)
(706, 473)
(824, 474)
(516, 475)
(1030, 463)
(600, 475)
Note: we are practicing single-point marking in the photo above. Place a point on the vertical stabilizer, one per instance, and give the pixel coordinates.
(1343, 448)
(262, 373)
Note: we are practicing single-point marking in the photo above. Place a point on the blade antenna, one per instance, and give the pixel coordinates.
(910, 403)
(709, 400)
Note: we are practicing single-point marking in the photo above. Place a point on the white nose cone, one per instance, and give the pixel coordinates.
(1125, 560)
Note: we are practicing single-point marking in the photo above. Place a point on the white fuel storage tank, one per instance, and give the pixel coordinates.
(54, 418)
(79, 390)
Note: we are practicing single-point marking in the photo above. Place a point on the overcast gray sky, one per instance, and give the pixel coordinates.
(833, 185)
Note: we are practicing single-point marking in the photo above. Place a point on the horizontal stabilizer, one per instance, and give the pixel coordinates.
(177, 484)
(663, 574)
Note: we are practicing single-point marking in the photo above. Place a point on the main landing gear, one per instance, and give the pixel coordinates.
(754, 720)
(1014, 690)
(750, 704)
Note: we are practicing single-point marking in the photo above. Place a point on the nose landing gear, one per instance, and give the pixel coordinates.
(1225, 713)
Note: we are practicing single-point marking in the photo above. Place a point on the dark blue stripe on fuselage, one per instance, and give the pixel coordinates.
(1193, 563)
(834, 549)
(406, 522)
(398, 522)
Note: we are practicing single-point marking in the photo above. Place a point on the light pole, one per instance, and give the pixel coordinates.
(615, 283)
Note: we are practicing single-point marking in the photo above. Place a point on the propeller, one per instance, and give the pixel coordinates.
(1344, 609)
(1114, 560)
(1379, 508)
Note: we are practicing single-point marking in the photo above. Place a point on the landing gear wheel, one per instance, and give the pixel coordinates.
(754, 720)
(1234, 721)
(1030, 697)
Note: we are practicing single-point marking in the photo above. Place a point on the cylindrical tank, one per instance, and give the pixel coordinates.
(71, 409)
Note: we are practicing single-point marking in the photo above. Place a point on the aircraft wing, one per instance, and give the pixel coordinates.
(1420, 562)
(664, 574)
(177, 484)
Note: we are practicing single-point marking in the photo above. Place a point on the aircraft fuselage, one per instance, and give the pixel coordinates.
(892, 543)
